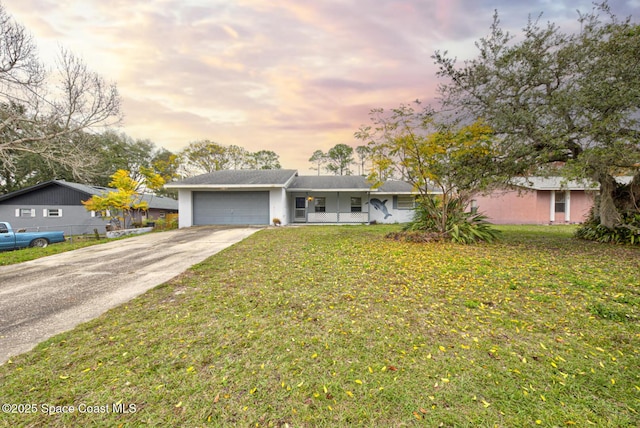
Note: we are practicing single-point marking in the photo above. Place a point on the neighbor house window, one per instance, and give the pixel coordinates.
(100, 213)
(406, 202)
(356, 205)
(52, 212)
(560, 202)
(474, 206)
(320, 205)
(25, 212)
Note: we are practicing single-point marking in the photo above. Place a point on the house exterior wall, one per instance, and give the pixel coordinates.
(581, 204)
(75, 220)
(337, 207)
(156, 213)
(57, 205)
(381, 208)
(396, 214)
(185, 208)
(577, 206)
(534, 206)
(278, 205)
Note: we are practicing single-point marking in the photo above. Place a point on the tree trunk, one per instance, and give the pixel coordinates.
(609, 215)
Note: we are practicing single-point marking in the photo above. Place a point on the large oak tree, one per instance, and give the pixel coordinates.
(557, 98)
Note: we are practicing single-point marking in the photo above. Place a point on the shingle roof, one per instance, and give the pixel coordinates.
(290, 179)
(561, 183)
(85, 188)
(330, 182)
(154, 201)
(554, 183)
(242, 177)
(396, 186)
(157, 202)
(160, 202)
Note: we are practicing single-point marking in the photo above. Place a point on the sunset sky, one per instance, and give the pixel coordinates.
(291, 76)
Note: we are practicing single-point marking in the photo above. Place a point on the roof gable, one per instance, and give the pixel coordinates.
(46, 193)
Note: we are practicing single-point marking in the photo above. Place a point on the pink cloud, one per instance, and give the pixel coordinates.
(282, 75)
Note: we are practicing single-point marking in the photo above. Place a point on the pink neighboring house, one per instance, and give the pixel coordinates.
(538, 200)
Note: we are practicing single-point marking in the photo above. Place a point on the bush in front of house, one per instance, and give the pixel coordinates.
(433, 223)
(628, 232)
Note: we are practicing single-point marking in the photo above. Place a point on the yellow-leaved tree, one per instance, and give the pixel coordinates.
(129, 198)
(446, 159)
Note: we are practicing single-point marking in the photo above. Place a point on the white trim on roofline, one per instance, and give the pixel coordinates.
(225, 186)
(332, 190)
(415, 193)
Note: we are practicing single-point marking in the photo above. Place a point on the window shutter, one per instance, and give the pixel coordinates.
(17, 212)
(395, 202)
(93, 213)
(45, 212)
(33, 212)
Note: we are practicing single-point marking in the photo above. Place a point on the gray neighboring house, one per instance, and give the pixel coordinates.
(57, 205)
(259, 196)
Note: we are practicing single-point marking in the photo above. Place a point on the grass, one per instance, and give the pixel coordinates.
(31, 253)
(337, 326)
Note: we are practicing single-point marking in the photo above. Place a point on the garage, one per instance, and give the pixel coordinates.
(249, 207)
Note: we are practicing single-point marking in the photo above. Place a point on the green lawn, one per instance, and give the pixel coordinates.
(29, 253)
(338, 326)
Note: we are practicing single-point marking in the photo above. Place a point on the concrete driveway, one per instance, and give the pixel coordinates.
(43, 297)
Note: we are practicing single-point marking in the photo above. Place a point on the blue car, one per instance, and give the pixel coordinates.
(11, 240)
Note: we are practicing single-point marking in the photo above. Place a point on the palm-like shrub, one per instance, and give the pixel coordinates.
(628, 232)
(451, 221)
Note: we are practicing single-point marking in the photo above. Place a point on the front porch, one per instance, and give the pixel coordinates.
(330, 207)
(338, 217)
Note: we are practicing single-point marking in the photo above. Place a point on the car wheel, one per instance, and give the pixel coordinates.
(39, 242)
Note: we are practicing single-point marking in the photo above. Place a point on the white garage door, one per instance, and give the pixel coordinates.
(230, 208)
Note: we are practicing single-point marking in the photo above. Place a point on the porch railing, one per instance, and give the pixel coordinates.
(331, 217)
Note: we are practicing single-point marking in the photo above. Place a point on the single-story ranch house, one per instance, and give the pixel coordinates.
(57, 205)
(260, 196)
(540, 200)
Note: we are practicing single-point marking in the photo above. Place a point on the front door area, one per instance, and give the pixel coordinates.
(300, 212)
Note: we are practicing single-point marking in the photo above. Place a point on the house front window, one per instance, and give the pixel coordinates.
(474, 206)
(320, 205)
(406, 202)
(560, 202)
(356, 205)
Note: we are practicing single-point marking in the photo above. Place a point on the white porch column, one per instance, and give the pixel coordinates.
(552, 207)
(567, 206)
